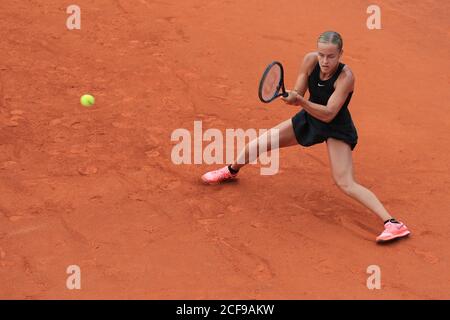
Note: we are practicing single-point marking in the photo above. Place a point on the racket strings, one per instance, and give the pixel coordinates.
(271, 84)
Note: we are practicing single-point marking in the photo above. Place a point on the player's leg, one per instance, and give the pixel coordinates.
(340, 156)
(286, 138)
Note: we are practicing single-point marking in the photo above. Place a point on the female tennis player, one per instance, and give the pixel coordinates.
(324, 118)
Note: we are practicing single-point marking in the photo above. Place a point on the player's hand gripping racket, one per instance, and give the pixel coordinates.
(271, 85)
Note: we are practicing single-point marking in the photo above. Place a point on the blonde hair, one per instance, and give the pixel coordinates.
(331, 37)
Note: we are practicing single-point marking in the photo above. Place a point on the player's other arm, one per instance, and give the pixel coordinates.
(301, 84)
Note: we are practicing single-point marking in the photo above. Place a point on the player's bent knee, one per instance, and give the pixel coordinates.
(347, 186)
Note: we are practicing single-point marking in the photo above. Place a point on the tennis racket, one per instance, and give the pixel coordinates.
(271, 85)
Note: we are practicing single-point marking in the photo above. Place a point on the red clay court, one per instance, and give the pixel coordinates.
(96, 187)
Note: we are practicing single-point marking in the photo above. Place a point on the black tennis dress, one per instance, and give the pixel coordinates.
(310, 130)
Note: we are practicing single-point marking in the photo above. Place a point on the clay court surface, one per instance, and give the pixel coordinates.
(96, 187)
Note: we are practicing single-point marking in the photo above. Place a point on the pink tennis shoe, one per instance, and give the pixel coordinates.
(393, 231)
(218, 176)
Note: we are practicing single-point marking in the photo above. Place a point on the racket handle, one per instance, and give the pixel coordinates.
(285, 95)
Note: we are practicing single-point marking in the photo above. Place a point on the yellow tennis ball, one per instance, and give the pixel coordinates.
(87, 100)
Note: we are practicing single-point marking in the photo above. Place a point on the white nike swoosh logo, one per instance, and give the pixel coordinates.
(321, 85)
